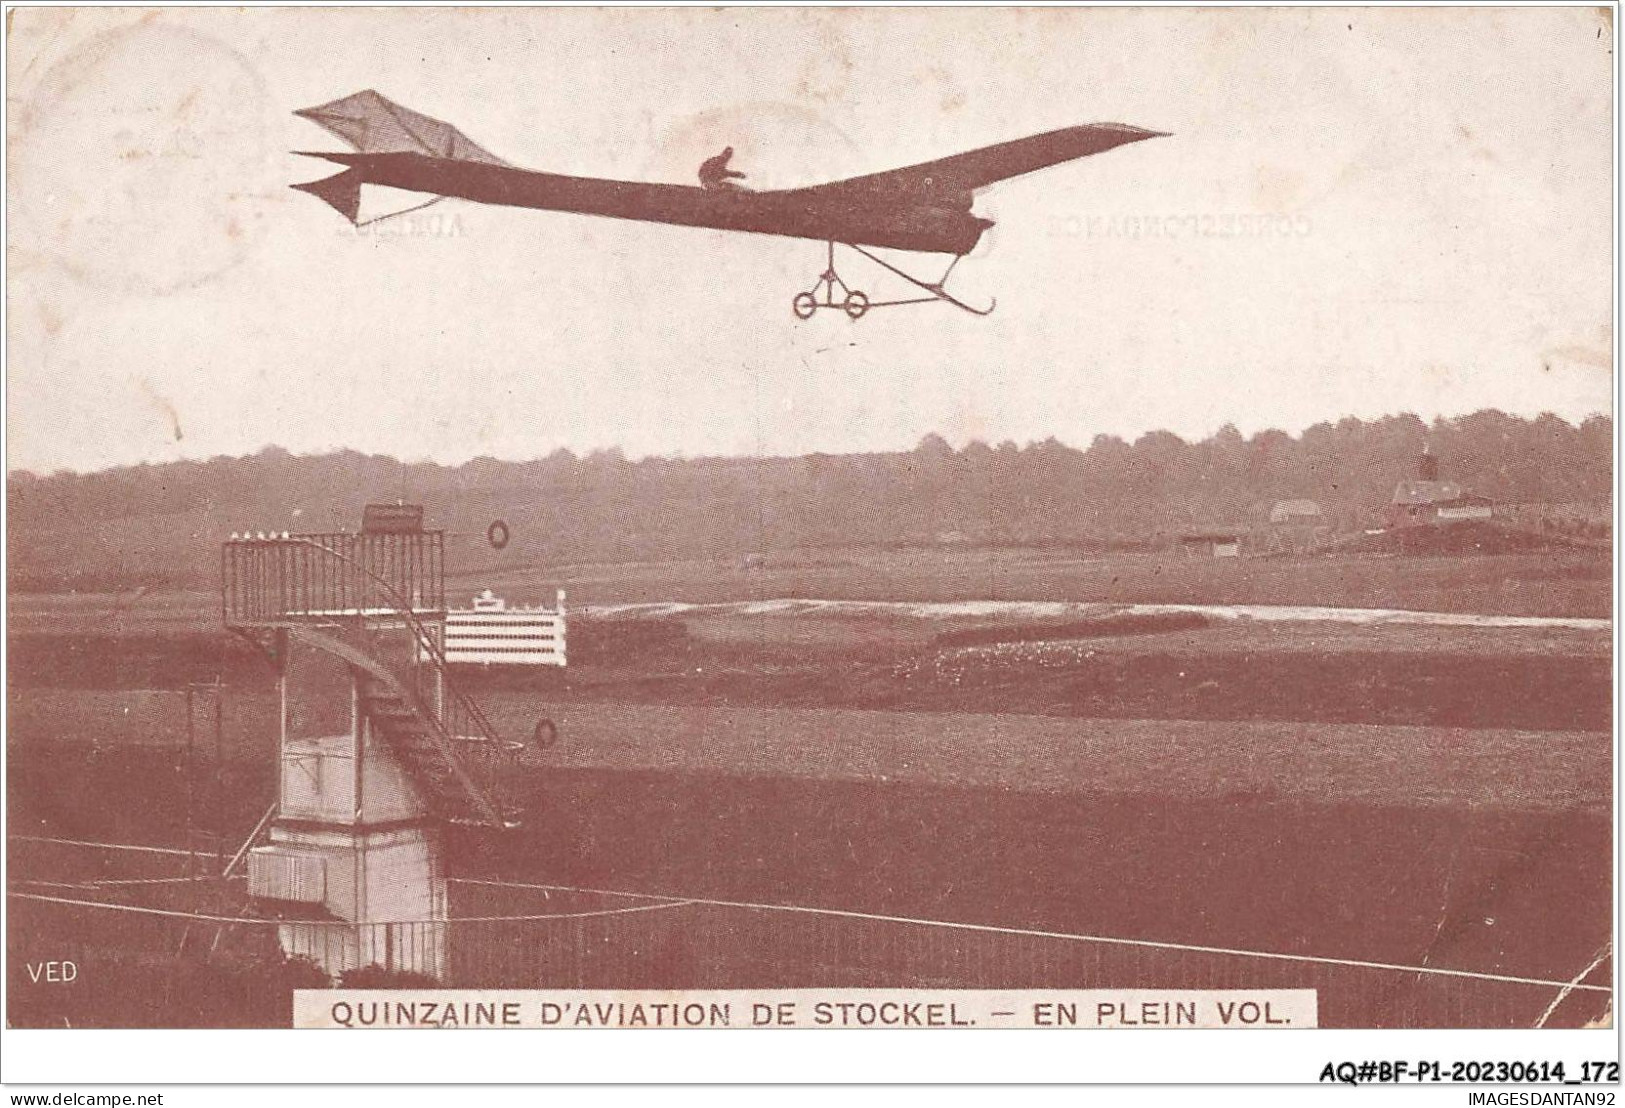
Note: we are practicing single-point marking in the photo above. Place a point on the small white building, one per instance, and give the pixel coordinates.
(1211, 544)
(492, 633)
(1295, 527)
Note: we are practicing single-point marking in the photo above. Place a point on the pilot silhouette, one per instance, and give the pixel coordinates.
(715, 174)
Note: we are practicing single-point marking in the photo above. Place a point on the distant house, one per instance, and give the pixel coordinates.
(1295, 512)
(1419, 502)
(1425, 499)
(1295, 527)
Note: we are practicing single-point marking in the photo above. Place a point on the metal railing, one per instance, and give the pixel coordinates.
(268, 580)
(361, 583)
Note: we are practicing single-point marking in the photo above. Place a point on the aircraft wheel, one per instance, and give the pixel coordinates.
(804, 305)
(856, 304)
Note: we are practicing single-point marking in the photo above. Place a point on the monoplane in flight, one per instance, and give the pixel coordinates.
(924, 208)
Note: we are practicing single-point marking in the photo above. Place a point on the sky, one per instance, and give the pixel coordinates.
(1357, 212)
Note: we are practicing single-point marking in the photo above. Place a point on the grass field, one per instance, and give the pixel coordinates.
(1392, 792)
(1479, 850)
(1575, 583)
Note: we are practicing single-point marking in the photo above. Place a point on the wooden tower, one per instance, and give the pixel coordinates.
(378, 749)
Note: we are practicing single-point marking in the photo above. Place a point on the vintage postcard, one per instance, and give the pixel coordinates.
(919, 519)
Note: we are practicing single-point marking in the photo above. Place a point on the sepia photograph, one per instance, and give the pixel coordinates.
(1044, 519)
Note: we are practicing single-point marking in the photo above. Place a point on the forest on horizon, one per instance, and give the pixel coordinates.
(160, 525)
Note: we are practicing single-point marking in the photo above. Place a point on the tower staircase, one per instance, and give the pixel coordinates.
(377, 603)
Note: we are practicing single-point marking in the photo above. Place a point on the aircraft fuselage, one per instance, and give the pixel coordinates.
(855, 213)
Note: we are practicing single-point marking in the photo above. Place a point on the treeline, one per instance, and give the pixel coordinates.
(161, 525)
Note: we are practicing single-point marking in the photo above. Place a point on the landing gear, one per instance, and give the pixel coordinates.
(851, 301)
(856, 304)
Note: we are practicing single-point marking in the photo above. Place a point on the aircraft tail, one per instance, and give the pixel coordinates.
(374, 124)
(342, 191)
(371, 124)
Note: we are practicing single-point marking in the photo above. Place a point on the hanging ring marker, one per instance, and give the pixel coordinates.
(545, 735)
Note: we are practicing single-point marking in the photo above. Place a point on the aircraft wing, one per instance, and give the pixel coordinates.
(374, 124)
(977, 169)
